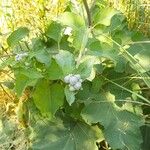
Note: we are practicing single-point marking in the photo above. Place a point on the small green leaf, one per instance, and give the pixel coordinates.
(104, 16)
(48, 98)
(70, 96)
(54, 31)
(85, 67)
(54, 72)
(42, 57)
(22, 81)
(30, 73)
(117, 23)
(72, 20)
(17, 36)
(66, 61)
(79, 38)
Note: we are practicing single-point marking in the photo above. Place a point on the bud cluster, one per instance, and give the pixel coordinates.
(18, 57)
(74, 81)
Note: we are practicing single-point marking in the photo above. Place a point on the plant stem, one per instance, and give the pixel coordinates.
(88, 12)
(138, 95)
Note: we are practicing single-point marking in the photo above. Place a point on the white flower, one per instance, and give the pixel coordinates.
(18, 57)
(77, 86)
(67, 78)
(68, 31)
(73, 80)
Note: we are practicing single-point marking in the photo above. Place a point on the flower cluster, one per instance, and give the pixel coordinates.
(18, 57)
(68, 31)
(75, 81)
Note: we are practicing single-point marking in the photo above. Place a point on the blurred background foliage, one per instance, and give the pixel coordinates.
(30, 13)
(35, 13)
(137, 13)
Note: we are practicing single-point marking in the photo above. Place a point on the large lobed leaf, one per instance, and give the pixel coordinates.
(74, 135)
(121, 127)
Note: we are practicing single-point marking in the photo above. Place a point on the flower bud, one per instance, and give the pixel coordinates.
(73, 80)
(68, 31)
(67, 78)
(18, 57)
(71, 88)
(77, 86)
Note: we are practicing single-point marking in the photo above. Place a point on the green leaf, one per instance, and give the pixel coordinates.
(48, 98)
(17, 36)
(30, 73)
(66, 61)
(42, 56)
(97, 84)
(141, 60)
(79, 38)
(104, 16)
(87, 93)
(72, 20)
(70, 136)
(54, 72)
(22, 81)
(70, 96)
(143, 57)
(85, 67)
(120, 79)
(121, 128)
(123, 36)
(96, 48)
(117, 23)
(124, 131)
(121, 64)
(54, 31)
(74, 110)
